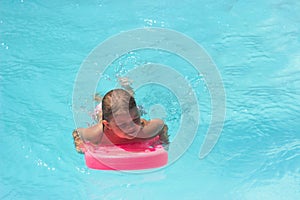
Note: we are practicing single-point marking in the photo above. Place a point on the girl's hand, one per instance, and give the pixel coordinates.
(163, 135)
(79, 145)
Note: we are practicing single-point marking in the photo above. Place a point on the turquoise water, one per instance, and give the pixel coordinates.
(255, 46)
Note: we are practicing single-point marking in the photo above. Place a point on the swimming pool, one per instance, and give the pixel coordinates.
(255, 47)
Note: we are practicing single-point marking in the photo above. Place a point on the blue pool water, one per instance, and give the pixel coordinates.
(255, 47)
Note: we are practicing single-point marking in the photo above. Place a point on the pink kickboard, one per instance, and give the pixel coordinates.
(123, 158)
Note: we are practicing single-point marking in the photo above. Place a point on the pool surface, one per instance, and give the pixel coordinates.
(255, 46)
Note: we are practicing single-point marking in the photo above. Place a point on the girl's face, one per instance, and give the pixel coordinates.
(125, 125)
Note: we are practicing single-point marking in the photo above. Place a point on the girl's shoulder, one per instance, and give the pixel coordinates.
(92, 134)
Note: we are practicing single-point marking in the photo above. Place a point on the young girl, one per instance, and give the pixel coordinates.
(120, 124)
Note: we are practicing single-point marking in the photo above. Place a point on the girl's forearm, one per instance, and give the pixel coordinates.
(151, 128)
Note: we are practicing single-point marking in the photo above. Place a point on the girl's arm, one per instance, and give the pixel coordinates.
(92, 134)
(152, 128)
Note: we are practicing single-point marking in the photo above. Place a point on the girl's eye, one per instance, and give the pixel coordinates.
(123, 126)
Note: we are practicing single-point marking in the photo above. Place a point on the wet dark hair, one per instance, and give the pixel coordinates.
(115, 101)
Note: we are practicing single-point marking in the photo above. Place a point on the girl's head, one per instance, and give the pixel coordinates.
(120, 114)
